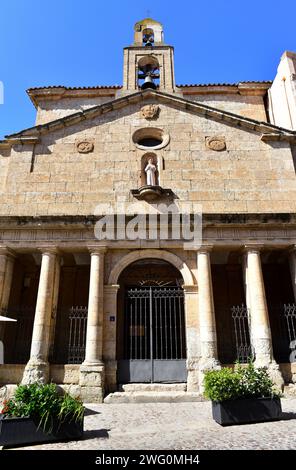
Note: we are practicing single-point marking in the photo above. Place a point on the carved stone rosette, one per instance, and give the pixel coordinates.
(85, 146)
(216, 142)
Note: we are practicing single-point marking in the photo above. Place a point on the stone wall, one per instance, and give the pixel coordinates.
(282, 94)
(249, 106)
(249, 176)
(50, 110)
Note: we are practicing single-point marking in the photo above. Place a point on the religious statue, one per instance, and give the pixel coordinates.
(150, 171)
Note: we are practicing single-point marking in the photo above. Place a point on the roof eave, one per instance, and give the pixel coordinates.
(201, 108)
(59, 92)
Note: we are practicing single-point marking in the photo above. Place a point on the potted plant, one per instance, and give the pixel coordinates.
(39, 413)
(242, 395)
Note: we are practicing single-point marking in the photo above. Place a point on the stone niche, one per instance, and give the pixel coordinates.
(150, 188)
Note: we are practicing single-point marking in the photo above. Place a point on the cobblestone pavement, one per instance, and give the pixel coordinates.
(177, 426)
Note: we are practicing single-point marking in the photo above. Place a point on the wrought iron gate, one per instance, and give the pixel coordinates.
(70, 335)
(241, 320)
(77, 335)
(290, 317)
(154, 332)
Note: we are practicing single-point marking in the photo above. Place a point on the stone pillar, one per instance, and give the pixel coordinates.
(92, 369)
(55, 305)
(37, 369)
(7, 258)
(259, 319)
(207, 323)
(292, 261)
(109, 342)
(192, 337)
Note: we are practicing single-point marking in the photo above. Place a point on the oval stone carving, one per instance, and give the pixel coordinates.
(216, 142)
(85, 146)
(150, 111)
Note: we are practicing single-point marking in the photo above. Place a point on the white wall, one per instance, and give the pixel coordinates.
(282, 94)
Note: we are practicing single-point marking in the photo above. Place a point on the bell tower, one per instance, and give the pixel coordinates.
(148, 62)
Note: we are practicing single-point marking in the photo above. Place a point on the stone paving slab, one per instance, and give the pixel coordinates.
(176, 426)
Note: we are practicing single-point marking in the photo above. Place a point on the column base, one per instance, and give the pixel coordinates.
(264, 360)
(205, 365)
(110, 376)
(92, 382)
(36, 371)
(192, 375)
(276, 375)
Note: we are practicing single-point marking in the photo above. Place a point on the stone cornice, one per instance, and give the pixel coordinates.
(278, 137)
(173, 99)
(54, 93)
(88, 221)
(23, 140)
(242, 88)
(155, 47)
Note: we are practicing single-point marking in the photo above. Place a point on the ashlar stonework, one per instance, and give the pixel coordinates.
(82, 321)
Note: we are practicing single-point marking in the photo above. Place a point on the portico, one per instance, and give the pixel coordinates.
(90, 361)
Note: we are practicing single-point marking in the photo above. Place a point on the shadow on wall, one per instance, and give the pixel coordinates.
(293, 148)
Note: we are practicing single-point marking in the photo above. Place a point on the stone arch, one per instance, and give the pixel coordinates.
(151, 253)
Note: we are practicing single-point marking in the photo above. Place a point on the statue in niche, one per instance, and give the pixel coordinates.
(150, 171)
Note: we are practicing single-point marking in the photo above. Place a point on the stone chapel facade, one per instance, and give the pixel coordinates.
(95, 314)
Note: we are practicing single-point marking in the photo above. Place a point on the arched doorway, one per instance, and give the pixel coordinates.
(151, 340)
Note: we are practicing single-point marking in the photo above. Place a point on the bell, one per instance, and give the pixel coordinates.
(148, 40)
(148, 83)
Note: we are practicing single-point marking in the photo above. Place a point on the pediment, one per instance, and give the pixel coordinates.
(267, 131)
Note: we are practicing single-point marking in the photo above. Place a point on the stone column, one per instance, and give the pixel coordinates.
(259, 319)
(7, 258)
(110, 331)
(192, 337)
(292, 261)
(92, 369)
(55, 305)
(207, 323)
(37, 369)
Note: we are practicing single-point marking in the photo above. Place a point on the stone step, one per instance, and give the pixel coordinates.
(152, 397)
(156, 387)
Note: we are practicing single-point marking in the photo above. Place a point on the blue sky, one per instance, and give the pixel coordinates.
(79, 43)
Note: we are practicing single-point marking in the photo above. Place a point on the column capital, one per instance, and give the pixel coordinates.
(49, 250)
(4, 250)
(205, 249)
(190, 288)
(111, 288)
(97, 250)
(252, 248)
(292, 249)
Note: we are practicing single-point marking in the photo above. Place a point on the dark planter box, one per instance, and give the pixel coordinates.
(17, 431)
(246, 410)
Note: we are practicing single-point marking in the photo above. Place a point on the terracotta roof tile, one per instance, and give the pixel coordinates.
(99, 87)
(267, 82)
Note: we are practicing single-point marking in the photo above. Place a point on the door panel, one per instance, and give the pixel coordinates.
(155, 345)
